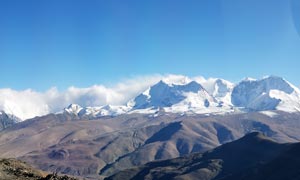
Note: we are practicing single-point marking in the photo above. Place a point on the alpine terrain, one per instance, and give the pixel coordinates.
(188, 127)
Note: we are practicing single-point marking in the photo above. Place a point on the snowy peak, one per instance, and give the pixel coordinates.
(73, 109)
(277, 83)
(219, 89)
(222, 88)
(166, 95)
(180, 94)
(269, 93)
(7, 120)
(93, 112)
(107, 110)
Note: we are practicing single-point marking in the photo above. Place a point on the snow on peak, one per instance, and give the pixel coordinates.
(110, 110)
(165, 95)
(98, 111)
(6, 118)
(180, 94)
(73, 109)
(218, 88)
(269, 93)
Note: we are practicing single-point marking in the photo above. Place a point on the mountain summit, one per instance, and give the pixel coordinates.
(269, 93)
(163, 95)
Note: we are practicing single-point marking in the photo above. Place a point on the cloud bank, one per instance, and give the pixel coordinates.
(30, 103)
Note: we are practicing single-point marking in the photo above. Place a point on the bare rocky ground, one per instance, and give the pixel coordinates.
(98, 148)
(12, 169)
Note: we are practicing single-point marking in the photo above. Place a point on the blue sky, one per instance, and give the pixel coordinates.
(46, 43)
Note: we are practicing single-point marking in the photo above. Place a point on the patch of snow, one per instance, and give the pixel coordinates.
(288, 102)
(150, 110)
(269, 113)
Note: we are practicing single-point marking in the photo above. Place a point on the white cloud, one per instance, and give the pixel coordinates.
(23, 104)
(29, 103)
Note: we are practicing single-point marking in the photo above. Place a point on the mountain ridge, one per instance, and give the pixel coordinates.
(249, 157)
(219, 96)
(202, 96)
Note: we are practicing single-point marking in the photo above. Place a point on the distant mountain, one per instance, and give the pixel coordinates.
(219, 89)
(252, 157)
(166, 95)
(200, 96)
(93, 112)
(204, 97)
(7, 120)
(189, 97)
(269, 93)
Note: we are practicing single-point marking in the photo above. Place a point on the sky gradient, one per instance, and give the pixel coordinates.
(63, 43)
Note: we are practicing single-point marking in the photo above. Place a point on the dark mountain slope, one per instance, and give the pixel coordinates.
(285, 166)
(252, 157)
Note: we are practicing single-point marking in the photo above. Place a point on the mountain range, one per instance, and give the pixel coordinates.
(252, 157)
(106, 145)
(200, 96)
(206, 97)
(168, 120)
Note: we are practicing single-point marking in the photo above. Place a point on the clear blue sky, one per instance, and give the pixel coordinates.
(45, 43)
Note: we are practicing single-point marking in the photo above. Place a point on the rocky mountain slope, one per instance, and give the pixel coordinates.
(18, 170)
(6, 120)
(101, 147)
(252, 157)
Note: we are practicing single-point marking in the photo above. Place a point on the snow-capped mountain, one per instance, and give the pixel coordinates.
(7, 120)
(167, 95)
(218, 88)
(180, 94)
(73, 109)
(270, 93)
(107, 110)
(204, 96)
(188, 97)
(92, 112)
